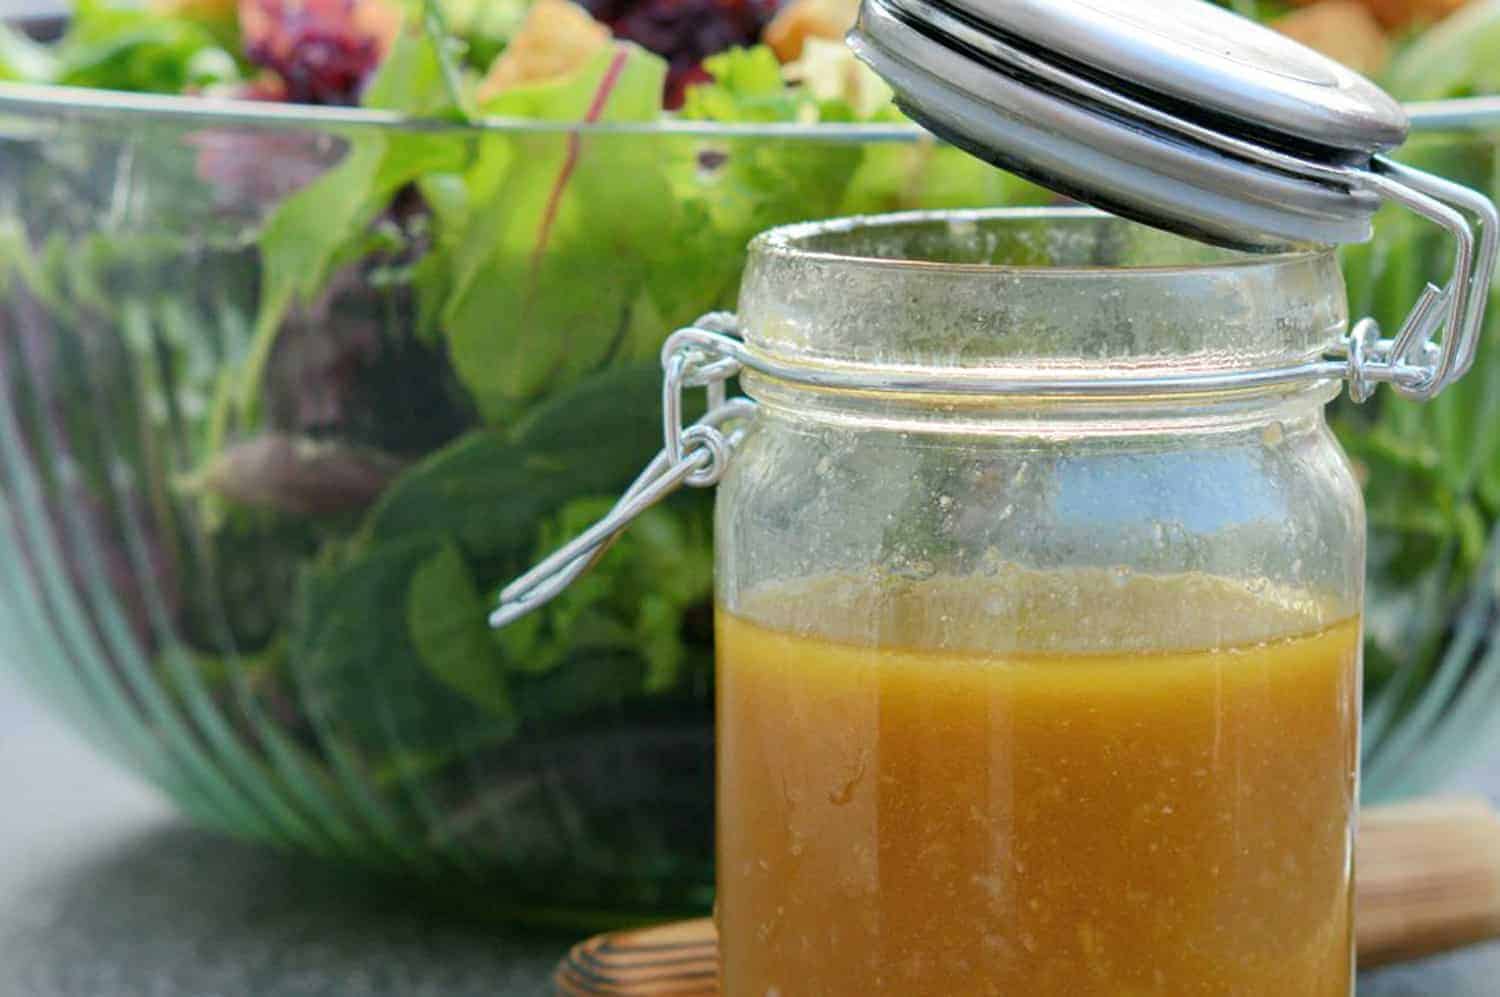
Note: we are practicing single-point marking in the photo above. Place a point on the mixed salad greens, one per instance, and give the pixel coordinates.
(308, 396)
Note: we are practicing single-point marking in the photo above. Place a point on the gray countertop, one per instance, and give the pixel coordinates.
(105, 893)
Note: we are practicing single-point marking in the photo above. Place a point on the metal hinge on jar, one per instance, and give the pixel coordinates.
(694, 456)
(1414, 362)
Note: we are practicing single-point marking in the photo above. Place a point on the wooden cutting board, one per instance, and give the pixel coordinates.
(1428, 881)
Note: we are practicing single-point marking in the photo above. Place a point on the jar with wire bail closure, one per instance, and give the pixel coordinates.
(1039, 571)
(1031, 691)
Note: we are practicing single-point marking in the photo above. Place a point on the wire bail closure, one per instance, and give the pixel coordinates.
(1416, 364)
(694, 456)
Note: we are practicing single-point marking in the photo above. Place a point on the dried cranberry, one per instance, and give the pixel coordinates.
(608, 11)
(685, 32)
(323, 50)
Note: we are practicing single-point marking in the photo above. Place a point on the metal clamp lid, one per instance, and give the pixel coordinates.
(1184, 116)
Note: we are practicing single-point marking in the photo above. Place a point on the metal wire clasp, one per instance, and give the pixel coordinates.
(694, 456)
(1416, 364)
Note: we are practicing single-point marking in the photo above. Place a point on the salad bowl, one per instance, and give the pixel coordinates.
(288, 393)
(274, 428)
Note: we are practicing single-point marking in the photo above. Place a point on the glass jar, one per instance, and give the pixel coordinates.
(1040, 692)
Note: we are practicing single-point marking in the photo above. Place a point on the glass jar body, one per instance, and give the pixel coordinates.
(1049, 716)
(1037, 695)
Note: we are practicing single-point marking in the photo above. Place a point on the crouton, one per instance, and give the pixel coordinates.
(212, 11)
(800, 20)
(1345, 30)
(1404, 13)
(380, 20)
(829, 71)
(1398, 14)
(556, 39)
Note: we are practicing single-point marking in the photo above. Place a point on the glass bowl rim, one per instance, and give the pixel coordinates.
(1457, 116)
(41, 98)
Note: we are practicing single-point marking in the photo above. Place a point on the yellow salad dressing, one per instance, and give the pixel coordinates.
(1150, 792)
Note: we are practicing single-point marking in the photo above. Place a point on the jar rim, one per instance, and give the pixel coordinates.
(796, 241)
(1032, 296)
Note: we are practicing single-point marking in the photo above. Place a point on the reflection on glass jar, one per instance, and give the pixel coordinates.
(1030, 692)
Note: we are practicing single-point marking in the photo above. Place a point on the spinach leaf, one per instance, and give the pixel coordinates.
(491, 489)
(588, 683)
(359, 668)
(462, 523)
(446, 619)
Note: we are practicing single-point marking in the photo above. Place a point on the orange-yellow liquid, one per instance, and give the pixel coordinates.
(1170, 819)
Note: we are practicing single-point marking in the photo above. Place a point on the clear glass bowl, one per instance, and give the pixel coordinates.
(275, 425)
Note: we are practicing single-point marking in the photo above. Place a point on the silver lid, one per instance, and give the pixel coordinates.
(1177, 113)
(1209, 61)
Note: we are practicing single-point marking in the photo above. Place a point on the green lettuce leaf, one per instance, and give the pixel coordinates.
(416, 76)
(634, 600)
(560, 230)
(747, 87)
(446, 619)
(484, 27)
(932, 175)
(117, 47)
(729, 190)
